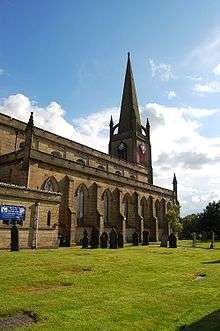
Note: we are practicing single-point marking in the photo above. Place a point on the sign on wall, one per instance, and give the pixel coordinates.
(12, 213)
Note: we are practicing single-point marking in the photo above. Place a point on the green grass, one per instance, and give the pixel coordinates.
(135, 288)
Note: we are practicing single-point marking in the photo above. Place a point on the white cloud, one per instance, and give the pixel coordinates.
(171, 95)
(2, 71)
(207, 52)
(90, 130)
(50, 118)
(216, 70)
(196, 79)
(211, 87)
(162, 71)
(177, 144)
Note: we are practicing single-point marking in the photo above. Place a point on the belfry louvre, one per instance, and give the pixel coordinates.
(65, 187)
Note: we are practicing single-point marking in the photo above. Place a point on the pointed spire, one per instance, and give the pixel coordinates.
(30, 123)
(111, 121)
(174, 179)
(175, 198)
(111, 125)
(147, 124)
(148, 130)
(148, 127)
(28, 144)
(129, 116)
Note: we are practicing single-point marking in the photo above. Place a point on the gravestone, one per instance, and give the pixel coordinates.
(120, 240)
(113, 239)
(212, 245)
(172, 241)
(14, 238)
(145, 238)
(194, 239)
(135, 238)
(163, 242)
(94, 240)
(104, 240)
(85, 239)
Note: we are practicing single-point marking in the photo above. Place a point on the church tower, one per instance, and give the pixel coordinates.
(129, 140)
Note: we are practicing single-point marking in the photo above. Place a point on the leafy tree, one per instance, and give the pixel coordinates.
(191, 223)
(210, 218)
(173, 218)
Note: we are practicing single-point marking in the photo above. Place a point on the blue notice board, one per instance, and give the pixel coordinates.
(12, 213)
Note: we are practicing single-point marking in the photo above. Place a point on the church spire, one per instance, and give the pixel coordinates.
(30, 123)
(175, 197)
(129, 140)
(29, 131)
(129, 116)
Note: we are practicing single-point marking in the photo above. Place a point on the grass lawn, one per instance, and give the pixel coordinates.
(135, 288)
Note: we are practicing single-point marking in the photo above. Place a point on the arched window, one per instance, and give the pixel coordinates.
(142, 153)
(80, 206)
(122, 151)
(49, 218)
(48, 186)
(157, 209)
(106, 208)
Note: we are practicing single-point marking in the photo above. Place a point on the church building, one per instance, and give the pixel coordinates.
(54, 188)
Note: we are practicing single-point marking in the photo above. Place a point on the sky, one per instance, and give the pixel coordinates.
(65, 60)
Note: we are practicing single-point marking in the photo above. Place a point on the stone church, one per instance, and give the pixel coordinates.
(65, 187)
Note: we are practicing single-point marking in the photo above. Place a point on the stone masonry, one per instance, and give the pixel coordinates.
(81, 187)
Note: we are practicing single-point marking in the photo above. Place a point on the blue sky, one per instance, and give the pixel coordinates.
(74, 52)
(71, 55)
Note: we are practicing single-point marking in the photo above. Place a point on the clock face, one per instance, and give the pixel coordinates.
(121, 146)
(142, 148)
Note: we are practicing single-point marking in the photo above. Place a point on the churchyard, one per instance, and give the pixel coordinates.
(134, 288)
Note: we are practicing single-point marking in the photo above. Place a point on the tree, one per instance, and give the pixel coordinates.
(210, 217)
(173, 218)
(190, 224)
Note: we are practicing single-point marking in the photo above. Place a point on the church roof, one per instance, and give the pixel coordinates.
(129, 116)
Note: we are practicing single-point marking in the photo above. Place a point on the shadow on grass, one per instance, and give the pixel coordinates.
(210, 262)
(210, 322)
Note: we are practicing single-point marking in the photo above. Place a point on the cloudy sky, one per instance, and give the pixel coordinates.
(65, 60)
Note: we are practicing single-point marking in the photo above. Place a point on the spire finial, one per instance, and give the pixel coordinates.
(111, 121)
(128, 55)
(31, 120)
(148, 123)
(174, 178)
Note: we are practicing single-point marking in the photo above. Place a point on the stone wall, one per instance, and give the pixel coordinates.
(47, 235)
(11, 138)
(12, 134)
(72, 167)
